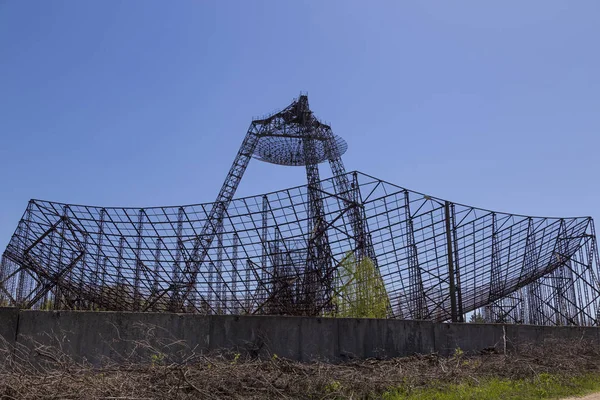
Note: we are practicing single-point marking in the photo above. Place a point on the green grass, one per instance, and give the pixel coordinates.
(544, 386)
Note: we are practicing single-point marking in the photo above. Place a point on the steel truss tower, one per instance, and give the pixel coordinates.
(293, 137)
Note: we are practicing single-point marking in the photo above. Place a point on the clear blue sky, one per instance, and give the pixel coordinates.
(139, 103)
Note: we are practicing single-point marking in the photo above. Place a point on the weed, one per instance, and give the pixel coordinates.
(157, 359)
(333, 387)
(543, 386)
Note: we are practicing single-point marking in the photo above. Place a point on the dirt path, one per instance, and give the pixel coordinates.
(593, 396)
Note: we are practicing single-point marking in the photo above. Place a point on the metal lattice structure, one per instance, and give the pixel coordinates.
(284, 252)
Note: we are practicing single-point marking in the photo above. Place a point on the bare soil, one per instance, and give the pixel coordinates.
(593, 396)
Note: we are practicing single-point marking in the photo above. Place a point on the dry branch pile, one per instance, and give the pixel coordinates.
(37, 371)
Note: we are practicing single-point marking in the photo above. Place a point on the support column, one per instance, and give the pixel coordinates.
(234, 274)
(176, 301)
(120, 284)
(138, 260)
(156, 272)
(449, 251)
(461, 315)
(418, 305)
(99, 240)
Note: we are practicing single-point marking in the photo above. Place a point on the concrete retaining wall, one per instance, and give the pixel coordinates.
(95, 336)
(9, 324)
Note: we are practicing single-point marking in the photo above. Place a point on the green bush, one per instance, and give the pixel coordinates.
(361, 291)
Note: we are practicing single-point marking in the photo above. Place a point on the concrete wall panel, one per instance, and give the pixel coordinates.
(319, 339)
(9, 321)
(115, 335)
(257, 336)
(470, 338)
(527, 335)
(122, 336)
